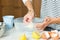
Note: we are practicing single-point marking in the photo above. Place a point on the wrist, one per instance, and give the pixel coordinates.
(31, 12)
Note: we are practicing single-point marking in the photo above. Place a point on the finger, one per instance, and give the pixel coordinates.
(25, 20)
(36, 26)
(40, 26)
(47, 19)
(39, 29)
(29, 20)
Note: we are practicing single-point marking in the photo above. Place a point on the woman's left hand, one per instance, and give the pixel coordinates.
(46, 22)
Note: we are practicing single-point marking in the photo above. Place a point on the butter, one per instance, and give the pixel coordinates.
(23, 37)
(36, 35)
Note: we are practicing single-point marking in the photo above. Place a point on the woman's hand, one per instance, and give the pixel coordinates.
(46, 22)
(41, 26)
(28, 17)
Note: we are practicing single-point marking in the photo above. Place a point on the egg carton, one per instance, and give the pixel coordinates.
(49, 35)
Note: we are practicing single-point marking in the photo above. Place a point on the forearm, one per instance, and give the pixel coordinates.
(55, 20)
(28, 4)
(50, 20)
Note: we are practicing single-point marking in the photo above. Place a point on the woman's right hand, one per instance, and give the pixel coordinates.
(28, 17)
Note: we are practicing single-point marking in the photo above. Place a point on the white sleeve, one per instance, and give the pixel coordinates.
(24, 1)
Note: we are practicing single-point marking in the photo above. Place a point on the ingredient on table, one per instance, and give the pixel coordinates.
(36, 35)
(45, 35)
(23, 37)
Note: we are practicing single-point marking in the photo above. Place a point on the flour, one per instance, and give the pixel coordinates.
(30, 25)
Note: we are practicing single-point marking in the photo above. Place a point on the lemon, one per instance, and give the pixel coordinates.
(35, 35)
(23, 37)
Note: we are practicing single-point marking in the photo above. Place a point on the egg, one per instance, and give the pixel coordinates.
(36, 35)
(55, 31)
(56, 38)
(50, 39)
(59, 34)
(53, 34)
(45, 35)
(43, 39)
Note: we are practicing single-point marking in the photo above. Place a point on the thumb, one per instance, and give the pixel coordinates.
(47, 19)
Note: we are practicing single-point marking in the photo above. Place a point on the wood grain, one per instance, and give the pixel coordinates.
(37, 7)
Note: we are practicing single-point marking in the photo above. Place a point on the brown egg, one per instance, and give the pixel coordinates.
(55, 31)
(45, 35)
(53, 34)
(43, 39)
(53, 39)
(59, 34)
(56, 38)
(50, 39)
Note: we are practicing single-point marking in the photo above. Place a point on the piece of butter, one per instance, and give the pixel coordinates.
(36, 35)
(23, 37)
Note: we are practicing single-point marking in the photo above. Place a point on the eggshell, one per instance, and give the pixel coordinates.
(59, 34)
(56, 38)
(53, 33)
(45, 35)
(50, 39)
(43, 39)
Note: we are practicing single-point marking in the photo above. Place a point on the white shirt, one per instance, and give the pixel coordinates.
(24, 1)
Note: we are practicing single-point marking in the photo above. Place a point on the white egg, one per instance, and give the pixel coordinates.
(47, 34)
(56, 31)
(59, 34)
